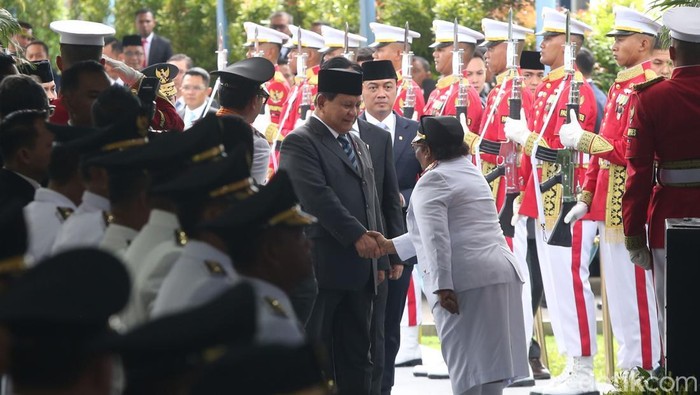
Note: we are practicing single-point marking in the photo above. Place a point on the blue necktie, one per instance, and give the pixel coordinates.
(347, 147)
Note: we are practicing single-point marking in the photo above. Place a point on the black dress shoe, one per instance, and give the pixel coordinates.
(412, 362)
(539, 371)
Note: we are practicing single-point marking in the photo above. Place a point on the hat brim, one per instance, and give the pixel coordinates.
(378, 44)
(489, 44)
(545, 33)
(615, 33)
(440, 44)
(420, 137)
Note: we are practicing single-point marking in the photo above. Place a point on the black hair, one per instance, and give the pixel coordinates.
(423, 62)
(7, 66)
(72, 54)
(200, 72)
(364, 54)
(237, 97)
(181, 56)
(70, 79)
(25, 25)
(113, 42)
(115, 104)
(43, 45)
(126, 185)
(144, 10)
(26, 94)
(18, 131)
(585, 61)
(340, 62)
(447, 152)
(191, 209)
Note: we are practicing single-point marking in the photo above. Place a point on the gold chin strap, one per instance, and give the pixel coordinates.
(12, 265)
(232, 187)
(208, 154)
(293, 216)
(125, 144)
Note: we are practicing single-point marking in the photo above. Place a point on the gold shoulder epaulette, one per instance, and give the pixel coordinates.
(64, 213)
(650, 74)
(107, 217)
(276, 306)
(215, 268)
(578, 77)
(643, 85)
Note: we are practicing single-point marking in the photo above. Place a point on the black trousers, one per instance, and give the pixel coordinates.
(303, 297)
(377, 333)
(395, 303)
(340, 321)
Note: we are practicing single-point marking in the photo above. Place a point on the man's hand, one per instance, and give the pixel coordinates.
(381, 276)
(576, 213)
(367, 247)
(516, 129)
(387, 246)
(448, 300)
(570, 133)
(641, 257)
(516, 215)
(396, 271)
(126, 73)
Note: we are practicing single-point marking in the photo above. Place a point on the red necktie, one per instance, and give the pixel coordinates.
(145, 58)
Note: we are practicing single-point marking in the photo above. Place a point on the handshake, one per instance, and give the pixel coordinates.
(374, 245)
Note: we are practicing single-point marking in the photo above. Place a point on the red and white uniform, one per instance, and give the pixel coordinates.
(570, 300)
(442, 102)
(279, 89)
(630, 289)
(663, 130)
(401, 97)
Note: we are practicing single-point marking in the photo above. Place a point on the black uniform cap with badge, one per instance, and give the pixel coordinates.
(165, 73)
(160, 356)
(241, 80)
(56, 313)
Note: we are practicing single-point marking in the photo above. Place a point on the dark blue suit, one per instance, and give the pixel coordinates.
(407, 171)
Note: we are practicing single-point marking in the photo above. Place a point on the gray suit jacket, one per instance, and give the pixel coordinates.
(343, 199)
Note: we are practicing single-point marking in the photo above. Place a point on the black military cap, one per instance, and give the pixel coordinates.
(213, 179)
(174, 343)
(263, 370)
(530, 60)
(340, 81)
(440, 132)
(120, 136)
(275, 204)
(77, 290)
(13, 233)
(39, 68)
(166, 73)
(64, 134)
(251, 71)
(131, 40)
(378, 70)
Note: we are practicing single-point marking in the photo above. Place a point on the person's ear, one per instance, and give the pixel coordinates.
(59, 62)
(672, 53)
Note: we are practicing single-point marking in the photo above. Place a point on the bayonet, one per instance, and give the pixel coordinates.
(221, 61)
(457, 67)
(409, 103)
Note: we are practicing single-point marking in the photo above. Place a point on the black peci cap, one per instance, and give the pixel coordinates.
(131, 41)
(530, 60)
(440, 132)
(341, 81)
(378, 70)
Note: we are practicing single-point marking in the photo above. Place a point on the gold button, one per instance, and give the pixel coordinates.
(549, 85)
(617, 86)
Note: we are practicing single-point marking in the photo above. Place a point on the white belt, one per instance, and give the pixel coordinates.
(671, 177)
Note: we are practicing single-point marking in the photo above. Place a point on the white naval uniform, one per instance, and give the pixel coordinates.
(44, 217)
(454, 231)
(86, 226)
(117, 239)
(155, 247)
(261, 158)
(204, 272)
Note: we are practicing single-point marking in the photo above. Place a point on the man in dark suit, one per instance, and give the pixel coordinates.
(157, 48)
(25, 146)
(332, 173)
(379, 91)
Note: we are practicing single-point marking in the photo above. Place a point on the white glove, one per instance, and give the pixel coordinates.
(301, 121)
(415, 116)
(126, 73)
(641, 257)
(576, 212)
(262, 121)
(570, 133)
(516, 215)
(463, 122)
(516, 129)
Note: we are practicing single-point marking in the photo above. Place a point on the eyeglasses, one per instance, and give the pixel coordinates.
(263, 95)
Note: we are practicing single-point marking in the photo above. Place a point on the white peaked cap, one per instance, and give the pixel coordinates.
(554, 21)
(386, 34)
(444, 33)
(77, 32)
(498, 31)
(308, 38)
(265, 34)
(629, 21)
(684, 23)
(334, 38)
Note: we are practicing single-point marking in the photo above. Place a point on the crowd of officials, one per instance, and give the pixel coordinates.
(159, 238)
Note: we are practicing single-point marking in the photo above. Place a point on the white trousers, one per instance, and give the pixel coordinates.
(632, 306)
(570, 300)
(520, 251)
(659, 257)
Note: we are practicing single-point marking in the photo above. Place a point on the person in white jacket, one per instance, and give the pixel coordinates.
(469, 274)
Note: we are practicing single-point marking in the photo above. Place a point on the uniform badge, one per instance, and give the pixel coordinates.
(276, 307)
(63, 213)
(276, 96)
(621, 102)
(107, 218)
(180, 237)
(215, 268)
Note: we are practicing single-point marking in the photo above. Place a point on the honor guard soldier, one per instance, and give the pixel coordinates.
(86, 226)
(662, 139)
(630, 288)
(390, 44)
(335, 43)
(504, 43)
(570, 299)
(267, 43)
(159, 244)
(242, 94)
(452, 85)
(79, 41)
(54, 321)
(304, 62)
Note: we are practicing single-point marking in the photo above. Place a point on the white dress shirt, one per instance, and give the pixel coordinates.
(388, 124)
(117, 239)
(86, 226)
(44, 217)
(193, 115)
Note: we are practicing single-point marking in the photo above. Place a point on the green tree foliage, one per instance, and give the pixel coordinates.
(89, 10)
(601, 18)
(191, 27)
(419, 15)
(39, 13)
(333, 12)
(124, 11)
(8, 26)
(255, 11)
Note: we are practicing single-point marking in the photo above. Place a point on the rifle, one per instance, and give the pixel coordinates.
(509, 151)
(566, 158)
(347, 53)
(257, 53)
(409, 103)
(221, 60)
(457, 67)
(305, 104)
